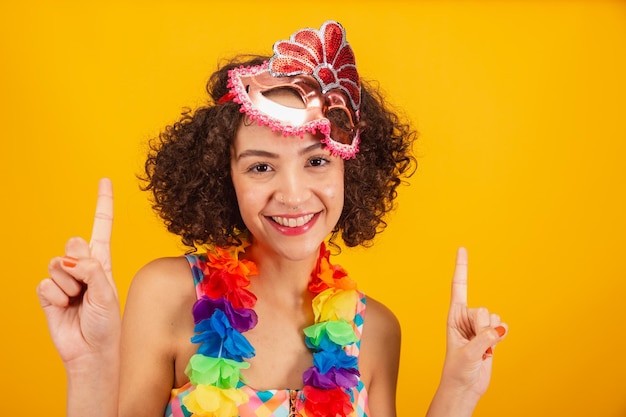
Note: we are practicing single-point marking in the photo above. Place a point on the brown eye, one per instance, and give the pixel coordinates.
(318, 161)
(339, 118)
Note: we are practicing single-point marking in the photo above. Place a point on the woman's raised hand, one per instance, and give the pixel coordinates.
(79, 298)
(472, 334)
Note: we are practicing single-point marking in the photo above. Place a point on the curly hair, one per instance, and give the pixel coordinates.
(188, 169)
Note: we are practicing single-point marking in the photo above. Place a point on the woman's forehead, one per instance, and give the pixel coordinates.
(251, 135)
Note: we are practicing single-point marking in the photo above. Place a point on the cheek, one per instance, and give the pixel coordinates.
(248, 209)
(252, 199)
(335, 191)
(241, 191)
(246, 196)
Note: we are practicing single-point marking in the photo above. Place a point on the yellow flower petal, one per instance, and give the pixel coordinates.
(210, 401)
(334, 304)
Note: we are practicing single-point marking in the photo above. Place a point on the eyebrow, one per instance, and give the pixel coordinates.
(266, 154)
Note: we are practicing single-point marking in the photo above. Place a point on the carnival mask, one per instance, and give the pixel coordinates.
(319, 67)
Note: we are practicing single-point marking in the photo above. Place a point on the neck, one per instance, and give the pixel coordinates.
(280, 275)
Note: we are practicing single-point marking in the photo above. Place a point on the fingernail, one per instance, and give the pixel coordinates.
(69, 261)
(501, 330)
(488, 353)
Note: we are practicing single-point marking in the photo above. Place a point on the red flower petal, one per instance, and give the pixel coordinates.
(242, 298)
(344, 57)
(327, 76)
(323, 53)
(327, 402)
(310, 39)
(348, 73)
(281, 66)
(353, 90)
(303, 57)
(333, 39)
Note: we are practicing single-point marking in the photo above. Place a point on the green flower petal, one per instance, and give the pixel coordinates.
(339, 332)
(221, 372)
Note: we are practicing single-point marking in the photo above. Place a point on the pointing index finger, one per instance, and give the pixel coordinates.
(103, 225)
(459, 281)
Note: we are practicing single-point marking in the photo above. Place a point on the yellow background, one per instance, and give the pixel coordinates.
(521, 108)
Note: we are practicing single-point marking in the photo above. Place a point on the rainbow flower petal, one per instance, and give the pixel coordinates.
(333, 304)
(339, 332)
(221, 372)
(224, 312)
(210, 401)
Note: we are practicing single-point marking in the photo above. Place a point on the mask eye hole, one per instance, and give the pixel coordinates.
(340, 118)
(285, 96)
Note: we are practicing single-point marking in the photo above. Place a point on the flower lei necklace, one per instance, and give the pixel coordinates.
(225, 311)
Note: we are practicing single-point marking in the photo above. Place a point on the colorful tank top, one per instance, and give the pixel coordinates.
(274, 403)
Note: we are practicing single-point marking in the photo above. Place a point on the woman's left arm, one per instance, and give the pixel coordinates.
(472, 334)
(379, 358)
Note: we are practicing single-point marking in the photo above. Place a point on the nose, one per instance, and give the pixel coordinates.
(293, 189)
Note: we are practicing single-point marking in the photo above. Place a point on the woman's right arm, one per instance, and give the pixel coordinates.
(83, 313)
(115, 369)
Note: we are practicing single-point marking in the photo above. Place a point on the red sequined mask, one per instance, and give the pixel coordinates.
(318, 67)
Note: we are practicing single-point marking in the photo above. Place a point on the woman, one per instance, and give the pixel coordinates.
(291, 150)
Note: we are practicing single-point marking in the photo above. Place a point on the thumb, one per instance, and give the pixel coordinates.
(99, 289)
(485, 339)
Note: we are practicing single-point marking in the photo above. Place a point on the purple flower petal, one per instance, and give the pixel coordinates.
(241, 319)
(336, 377)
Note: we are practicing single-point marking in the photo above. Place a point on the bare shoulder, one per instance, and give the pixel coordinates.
(163, 276)
(379, 357)
(164, 282)
(381, 333)
(160, 298)
(380, 320)
(156, 327)
(163, 271)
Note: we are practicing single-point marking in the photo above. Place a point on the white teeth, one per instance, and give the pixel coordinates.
(293, 222)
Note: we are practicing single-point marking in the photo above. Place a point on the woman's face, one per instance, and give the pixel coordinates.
(289, 189)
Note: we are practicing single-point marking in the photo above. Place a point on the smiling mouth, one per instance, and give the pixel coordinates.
(293, 221)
